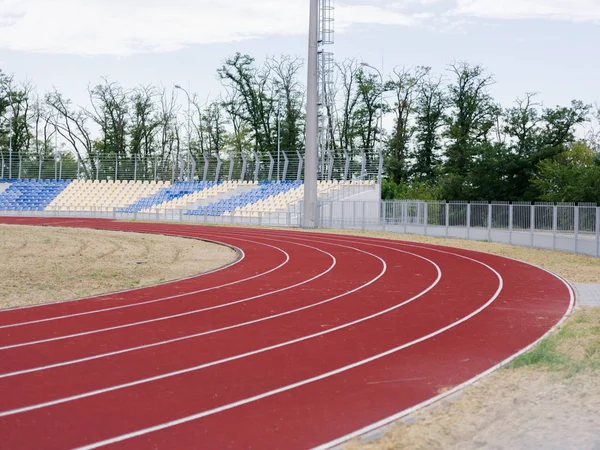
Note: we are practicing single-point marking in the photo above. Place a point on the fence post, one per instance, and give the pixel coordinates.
(532, 225)
(447, 219)
(490, 211)
(180, 215)
(364, 207)
(116, 166)
(468, 221)
(510, 222)
(425, 216)
(554, 225)
(354, 213)
(405, 216)
(576, 229)
(342, 221)
(597, 232)
(331, 208)
(134, 168)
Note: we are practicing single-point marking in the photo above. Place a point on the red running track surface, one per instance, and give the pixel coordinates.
(303, 342)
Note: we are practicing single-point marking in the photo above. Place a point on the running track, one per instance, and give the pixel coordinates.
(303, 341)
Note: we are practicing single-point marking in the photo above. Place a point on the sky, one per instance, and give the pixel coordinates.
(544, 46)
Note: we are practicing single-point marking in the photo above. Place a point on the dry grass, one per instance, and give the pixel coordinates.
(41, 264)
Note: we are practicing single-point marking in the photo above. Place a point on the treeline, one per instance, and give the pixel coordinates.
(449, 138)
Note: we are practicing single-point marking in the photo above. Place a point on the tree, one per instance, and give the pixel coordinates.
(109, 109)
(404, 84)
(71, 125)
(255, 94)
(143, 124)
(348, 73)
(430, 118)
(570, 176)
(473, 116)
(290, 96)
(368, 109)
(214, 120)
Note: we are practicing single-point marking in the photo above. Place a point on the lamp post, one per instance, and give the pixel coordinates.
(278, 132)
(10, 132)
(364, 64)
(189, 126)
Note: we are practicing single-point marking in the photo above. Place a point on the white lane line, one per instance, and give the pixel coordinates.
(289, 387)
(463, 385)
(187, 313)
(109, 294)
(182, 338)
(254, 352)
(171, 297)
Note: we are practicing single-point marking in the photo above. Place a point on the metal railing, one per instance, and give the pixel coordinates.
(563, 226)
(352, 165)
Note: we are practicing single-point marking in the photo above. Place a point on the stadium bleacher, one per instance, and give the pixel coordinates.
(193, 198)
(265, 190)
(30, 195)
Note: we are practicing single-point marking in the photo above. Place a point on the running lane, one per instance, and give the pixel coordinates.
(385, 353)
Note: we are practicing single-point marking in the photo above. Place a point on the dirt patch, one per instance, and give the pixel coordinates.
(42, 264)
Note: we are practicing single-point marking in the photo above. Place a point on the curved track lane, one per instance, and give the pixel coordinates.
(305, 340)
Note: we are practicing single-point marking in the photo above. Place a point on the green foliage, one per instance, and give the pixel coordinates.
(571, 176)
(556, 353)
(414, 190)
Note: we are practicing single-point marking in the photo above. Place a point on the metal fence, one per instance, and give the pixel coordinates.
(564, 227)
(349, 165)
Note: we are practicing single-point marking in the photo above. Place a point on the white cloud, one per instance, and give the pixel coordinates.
(125, 27)
(578, 10)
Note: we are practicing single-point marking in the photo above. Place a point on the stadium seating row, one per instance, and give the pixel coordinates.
(240, 198)
(31, 195)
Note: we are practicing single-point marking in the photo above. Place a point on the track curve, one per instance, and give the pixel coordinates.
(304, 341)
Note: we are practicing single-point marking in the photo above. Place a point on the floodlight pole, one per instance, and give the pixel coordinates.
(309, 218)
(278, 132)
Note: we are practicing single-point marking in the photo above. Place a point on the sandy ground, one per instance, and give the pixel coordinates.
(41, 265)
